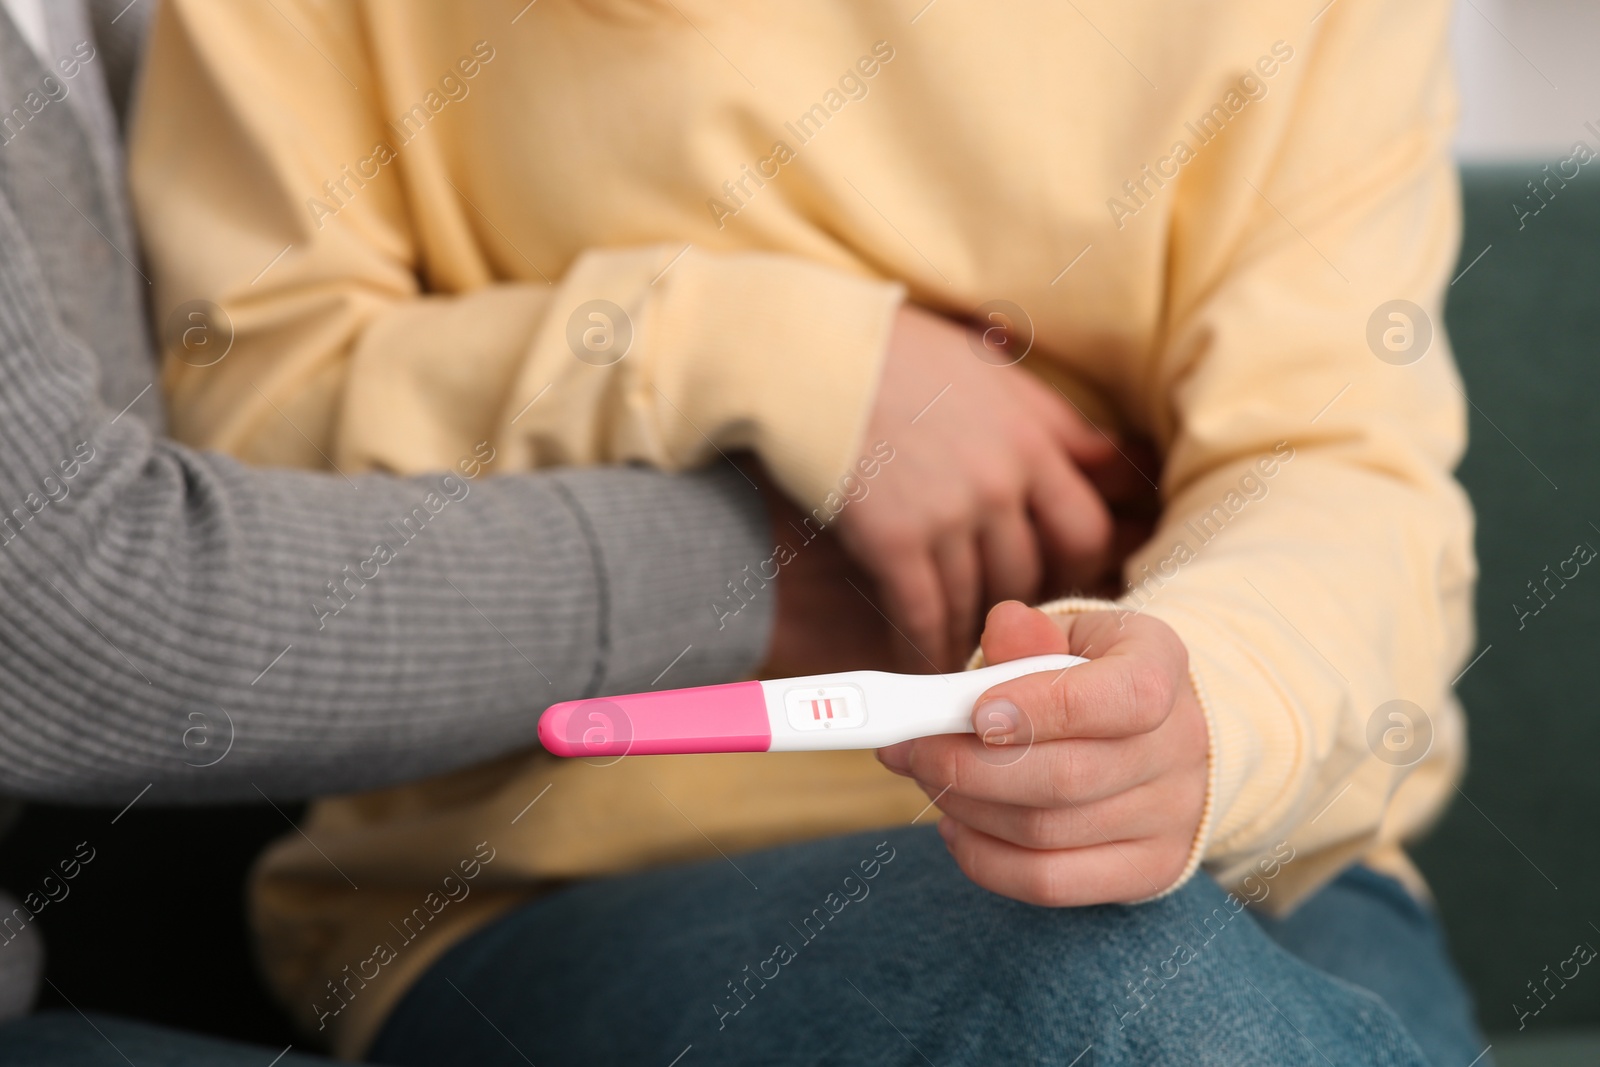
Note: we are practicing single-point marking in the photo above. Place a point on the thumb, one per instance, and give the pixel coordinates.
(1013, 630)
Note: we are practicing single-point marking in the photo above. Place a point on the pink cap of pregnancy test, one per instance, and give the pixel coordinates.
(712, 718)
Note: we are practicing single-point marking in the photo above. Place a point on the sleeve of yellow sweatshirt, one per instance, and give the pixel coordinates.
(349, 350)
(1315, 553)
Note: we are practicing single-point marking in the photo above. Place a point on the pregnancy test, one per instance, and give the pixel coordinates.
(852, 709)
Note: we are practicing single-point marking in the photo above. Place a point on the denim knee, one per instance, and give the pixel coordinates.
(1189, 978)
(876, 949)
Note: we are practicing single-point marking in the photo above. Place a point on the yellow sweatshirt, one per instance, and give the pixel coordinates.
(1206, 214)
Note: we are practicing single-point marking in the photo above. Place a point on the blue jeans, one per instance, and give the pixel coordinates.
(856, 952)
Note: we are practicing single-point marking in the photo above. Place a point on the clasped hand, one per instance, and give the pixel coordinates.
(1079, 787)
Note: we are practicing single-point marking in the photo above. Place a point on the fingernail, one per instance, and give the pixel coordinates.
(947, 828)
(996, 721)
(896, 757)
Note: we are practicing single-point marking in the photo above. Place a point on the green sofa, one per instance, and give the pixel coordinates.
(1514, 864)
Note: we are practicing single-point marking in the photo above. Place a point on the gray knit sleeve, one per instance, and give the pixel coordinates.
(176, 620)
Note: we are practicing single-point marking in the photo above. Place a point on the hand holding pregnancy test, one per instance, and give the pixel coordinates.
(1060, 787)
(852, 709)
(1097, 795)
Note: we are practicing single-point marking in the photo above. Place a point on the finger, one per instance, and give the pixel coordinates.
(1132, 814)
(1127, 691)
(1013, 630)
(1073, 521)
(1111, 697)
(1011, 564)
(914, 602)
(1083, 442)
(1051, 774)
(957, 559)
(1117, 871)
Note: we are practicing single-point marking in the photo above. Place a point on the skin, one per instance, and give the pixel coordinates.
(1083, 786)
(1001, 491)
(991, 495)
(822, 622)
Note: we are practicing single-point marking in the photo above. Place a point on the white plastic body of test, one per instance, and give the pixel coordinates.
(870, 709)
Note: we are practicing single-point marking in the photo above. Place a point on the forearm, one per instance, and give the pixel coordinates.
(1301, 630)
(397, 335)
(168, 616)
(1315, 554)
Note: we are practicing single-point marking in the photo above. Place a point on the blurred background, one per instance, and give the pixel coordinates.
(1530, 77)
(1516, 862)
